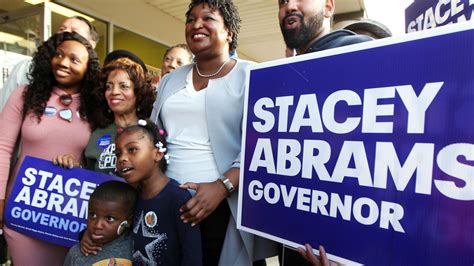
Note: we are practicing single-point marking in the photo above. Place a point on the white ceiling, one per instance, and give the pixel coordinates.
(163, 20)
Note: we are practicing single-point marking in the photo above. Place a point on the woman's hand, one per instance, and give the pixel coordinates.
(88, 246)
(66, 161)
(208, 196)
(308, 255)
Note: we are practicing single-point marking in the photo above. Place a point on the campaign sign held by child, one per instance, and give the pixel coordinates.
(49, 202)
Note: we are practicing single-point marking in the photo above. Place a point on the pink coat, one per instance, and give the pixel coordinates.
(51, 137)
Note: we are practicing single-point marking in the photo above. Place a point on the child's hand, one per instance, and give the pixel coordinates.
(308, 255)
(66, 161)
(88, 246)
(208, 196)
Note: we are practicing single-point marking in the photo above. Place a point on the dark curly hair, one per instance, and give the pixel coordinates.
(144, 92)
(154, 134)
(42, 79)
(229, 13)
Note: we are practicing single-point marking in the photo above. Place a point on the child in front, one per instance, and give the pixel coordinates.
(110, 213)
(159, 235)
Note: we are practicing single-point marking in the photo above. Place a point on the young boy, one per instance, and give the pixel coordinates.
(111, 208)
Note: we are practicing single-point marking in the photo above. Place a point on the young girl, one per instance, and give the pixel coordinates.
(159, 235)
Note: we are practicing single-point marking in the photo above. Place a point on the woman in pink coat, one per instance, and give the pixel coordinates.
(48, 117)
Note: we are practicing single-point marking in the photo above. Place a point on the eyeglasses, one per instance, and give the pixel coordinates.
(66, 113)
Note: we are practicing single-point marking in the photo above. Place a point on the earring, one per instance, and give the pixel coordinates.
(138, 109)
(122, 227)
(109, 111)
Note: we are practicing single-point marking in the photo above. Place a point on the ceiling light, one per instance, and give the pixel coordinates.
(10, 38)
(15, 40)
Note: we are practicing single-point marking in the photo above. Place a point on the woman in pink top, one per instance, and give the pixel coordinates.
(49, 118)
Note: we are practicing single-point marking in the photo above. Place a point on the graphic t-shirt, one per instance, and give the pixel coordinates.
(116, 253)
(100, 151)
(159, 235)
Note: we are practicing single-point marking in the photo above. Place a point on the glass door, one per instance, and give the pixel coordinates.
(21, 31)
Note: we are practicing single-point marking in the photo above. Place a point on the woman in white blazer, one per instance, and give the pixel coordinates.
(200, 106)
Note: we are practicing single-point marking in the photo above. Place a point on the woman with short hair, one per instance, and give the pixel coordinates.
(201, 108)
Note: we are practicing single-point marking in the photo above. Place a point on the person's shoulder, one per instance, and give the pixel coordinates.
(244, 62)
(25, 63)
(336, 39)
(75, 248)
(74, 252)
(353, 39)
(18, 92)
(177, 192)
(347, 37)
(173, 186)
(121, 244)
(173, 79)
(110, 128)
(176, 74)
(240, 69)
(21, 68)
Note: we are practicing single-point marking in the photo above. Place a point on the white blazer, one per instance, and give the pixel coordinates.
(224, 113)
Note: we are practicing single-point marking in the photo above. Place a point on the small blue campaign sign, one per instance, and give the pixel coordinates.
(49, 202)
(365, 149)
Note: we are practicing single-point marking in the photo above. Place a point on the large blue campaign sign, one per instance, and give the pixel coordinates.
(427, 14)
(365, 149)
(49, 202)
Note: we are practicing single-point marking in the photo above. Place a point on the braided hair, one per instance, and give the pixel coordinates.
(156, 136)
(229, 13)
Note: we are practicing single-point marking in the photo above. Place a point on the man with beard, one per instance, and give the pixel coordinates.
(305, 25)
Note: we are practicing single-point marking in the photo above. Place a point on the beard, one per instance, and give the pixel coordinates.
(299, 37)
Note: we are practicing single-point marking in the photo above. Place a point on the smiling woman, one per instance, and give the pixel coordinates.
(69, 65)
(64, 73)
(201, 108)
(126, 95)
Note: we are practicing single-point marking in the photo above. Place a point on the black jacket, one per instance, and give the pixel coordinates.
(335, 39)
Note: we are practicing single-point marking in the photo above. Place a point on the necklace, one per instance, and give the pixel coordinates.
(213, 74)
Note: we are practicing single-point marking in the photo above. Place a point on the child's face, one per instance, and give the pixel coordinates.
(137, 157)
(104, 218)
